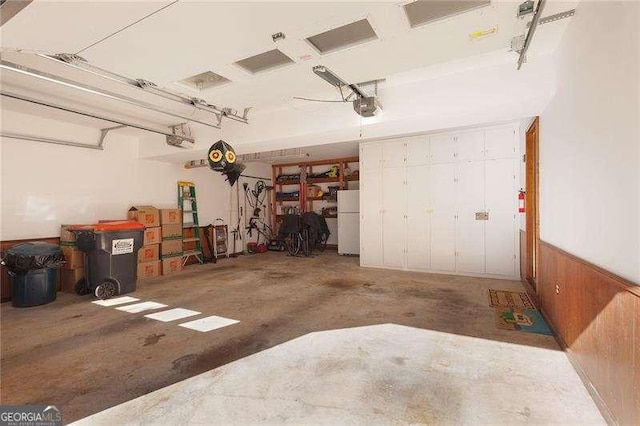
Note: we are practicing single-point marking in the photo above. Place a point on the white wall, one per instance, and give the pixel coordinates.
(589, 140)
(44, 186)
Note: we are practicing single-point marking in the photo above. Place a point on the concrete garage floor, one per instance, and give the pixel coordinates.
(85, 358)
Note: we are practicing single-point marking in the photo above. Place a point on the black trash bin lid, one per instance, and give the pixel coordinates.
(34, 249)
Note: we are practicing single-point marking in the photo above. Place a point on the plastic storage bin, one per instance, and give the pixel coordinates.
(33, 272)
(111, 261)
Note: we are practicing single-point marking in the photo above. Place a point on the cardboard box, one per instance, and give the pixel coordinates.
(173, 231)
(149, 253)
(149, 269)
(73, 257)
(170, 216)
(171, 265)
(67, 237)
(152, 236)
(149, 216)
(69, 278)
(170, 248)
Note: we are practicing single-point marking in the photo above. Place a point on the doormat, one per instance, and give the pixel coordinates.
(528, 320)
(510, 299)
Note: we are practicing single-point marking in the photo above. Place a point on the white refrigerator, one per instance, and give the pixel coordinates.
(348, 222)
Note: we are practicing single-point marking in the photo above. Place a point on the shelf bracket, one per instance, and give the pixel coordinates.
(104, 132)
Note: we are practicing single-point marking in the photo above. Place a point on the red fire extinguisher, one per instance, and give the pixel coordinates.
(521, 201)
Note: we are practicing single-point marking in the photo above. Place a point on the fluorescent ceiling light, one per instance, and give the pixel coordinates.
(347, 35)
(264, 61)
(204, 80)
(424, 11)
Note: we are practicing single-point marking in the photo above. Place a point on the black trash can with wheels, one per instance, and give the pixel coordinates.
(33, 272)
(111, 257)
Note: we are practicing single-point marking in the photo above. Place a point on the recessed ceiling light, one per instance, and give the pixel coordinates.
(424, 11)
(347, 35)
(204, 80)
(264, 61)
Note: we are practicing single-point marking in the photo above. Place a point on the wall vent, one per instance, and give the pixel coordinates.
(347, 35)
(424, 11)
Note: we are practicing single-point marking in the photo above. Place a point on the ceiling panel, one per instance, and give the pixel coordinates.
(69, 26)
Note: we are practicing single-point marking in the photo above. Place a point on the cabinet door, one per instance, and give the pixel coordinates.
(418, 151)
(500, 142)
(393, 153)
(443, 193)
(442, 149)
(370, 218)
(501, 198)
(418, 218)
(370, 156)
(470, 145)
(469, 231)
(393, 217)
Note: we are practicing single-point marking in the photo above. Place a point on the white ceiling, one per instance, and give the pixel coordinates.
(189, 37)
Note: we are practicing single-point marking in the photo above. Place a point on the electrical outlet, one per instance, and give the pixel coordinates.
(557, 288)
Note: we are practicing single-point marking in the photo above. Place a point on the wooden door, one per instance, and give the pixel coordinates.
(532, 221)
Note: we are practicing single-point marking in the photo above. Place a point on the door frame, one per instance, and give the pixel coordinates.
(532, 202)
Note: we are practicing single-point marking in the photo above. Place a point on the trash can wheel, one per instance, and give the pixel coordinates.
(106, 290)
(81, 287)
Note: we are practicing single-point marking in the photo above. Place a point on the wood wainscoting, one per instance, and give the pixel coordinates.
(596, 317)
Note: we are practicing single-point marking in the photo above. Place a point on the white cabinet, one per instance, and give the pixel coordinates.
(500, 142)
(442, 178)
(370, 217)
(501, 205)
(370, 157)
(418, 151)
(442, 149)
(393, 153)
(443, 203)
(418, 218)
(469, 145)
(470, 195)
(393, 217)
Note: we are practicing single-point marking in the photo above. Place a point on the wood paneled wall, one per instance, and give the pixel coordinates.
(5, 287)
(596, 316)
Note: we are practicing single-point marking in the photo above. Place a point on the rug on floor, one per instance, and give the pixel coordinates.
(516, 319)
(510, 299)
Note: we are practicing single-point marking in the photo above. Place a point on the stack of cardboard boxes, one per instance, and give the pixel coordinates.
(149, 255)
(171, 247)
(73, 270)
